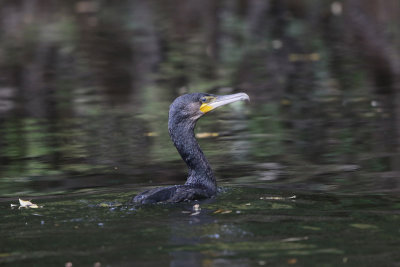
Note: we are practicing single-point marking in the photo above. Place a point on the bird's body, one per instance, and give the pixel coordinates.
(183, 115)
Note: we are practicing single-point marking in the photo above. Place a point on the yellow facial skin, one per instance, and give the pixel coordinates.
(205, 107)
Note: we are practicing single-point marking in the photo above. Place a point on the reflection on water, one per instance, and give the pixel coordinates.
(329, 146)
(85, 88)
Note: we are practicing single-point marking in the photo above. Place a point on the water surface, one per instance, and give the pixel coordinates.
(309, 168)
(243, 226)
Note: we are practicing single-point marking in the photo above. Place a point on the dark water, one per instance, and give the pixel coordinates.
(242, 227)
(309, 168)
(281, 205)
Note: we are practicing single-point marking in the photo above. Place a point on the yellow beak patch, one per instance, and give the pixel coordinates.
(205, 108)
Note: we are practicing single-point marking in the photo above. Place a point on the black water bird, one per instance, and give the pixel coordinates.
(183, 115)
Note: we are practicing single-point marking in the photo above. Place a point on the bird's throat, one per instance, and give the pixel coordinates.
(200, 173)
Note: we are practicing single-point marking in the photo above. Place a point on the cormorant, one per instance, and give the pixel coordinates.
(183, 115)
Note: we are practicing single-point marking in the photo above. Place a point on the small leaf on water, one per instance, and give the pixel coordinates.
(28, 204)
(221, 211)
(24, 203)
(292, 261)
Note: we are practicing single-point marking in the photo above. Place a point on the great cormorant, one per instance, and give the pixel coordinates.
(183, 115)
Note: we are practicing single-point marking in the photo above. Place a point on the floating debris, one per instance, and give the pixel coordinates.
(26, 204)
(221, 211)
(196, 209)
(218, 211)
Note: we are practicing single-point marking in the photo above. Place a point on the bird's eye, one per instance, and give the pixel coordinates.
(203, 99)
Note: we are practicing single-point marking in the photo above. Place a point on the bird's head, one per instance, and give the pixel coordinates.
(192, 106)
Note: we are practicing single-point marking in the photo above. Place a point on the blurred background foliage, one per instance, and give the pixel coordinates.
(85, 88)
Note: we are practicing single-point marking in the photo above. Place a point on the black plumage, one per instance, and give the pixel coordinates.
(183, 115)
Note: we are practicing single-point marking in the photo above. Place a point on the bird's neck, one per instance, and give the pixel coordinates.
(200, 173)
